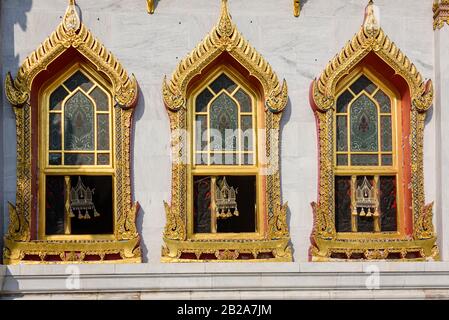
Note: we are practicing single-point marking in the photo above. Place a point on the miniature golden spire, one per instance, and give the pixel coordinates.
(225, 27)
(150, 6)
(296, 8)
(71, 20)
(371, 23)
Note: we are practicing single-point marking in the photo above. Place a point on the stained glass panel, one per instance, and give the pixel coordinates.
(79, 123)
(201, 133)
(201, 158)
(57, 97)
(247, 133)
(342, 160)
(223, 124)
(223, 159)
(386, 133)
(388, 205)
(343, 101)
(101, 99)
(78, 80)
(342, 133)
(55, 137)
(248, 159)
(343, 204)
(363, 83)
(244, 100)
(78, 159)
(103, 132)
(387, 160)
(384, 101)
(364, 160)
(364, 125)
(55, 159)
(203, 100)
(223, 82)
(103, 159)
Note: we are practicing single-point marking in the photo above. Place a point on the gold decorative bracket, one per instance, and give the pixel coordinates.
(20, 245)
(440, 13)
(296, 8)
(370, 39)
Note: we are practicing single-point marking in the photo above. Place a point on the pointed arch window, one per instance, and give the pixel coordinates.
(73, 200)
(370, 104)
(225, 201)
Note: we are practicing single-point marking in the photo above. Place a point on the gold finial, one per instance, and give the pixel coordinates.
(150, 6)
(71, 19)
(225, 27)
(296, 8)
(371, 23)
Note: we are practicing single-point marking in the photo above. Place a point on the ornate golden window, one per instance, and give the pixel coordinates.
(225, 104)
(370, 105)
(73, 103)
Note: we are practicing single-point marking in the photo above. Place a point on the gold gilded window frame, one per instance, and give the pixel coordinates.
(379, 170)
(370, 39)
(223, 170)
(65, 170)
(225, 38)
(22, 245)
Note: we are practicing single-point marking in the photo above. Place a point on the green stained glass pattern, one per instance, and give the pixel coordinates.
(363, 83)
(364, 160)
(203, 100)
(57, 97)
(223, 159)
(55, 142)
(201, 133)
(79, 123)
(364, 125)
(223, 124)
(342, 133)
(384, 101)
(248, 159)
(386, 133)
(78, 80)
(342, 160)
(223, 82)
(55, 159)
(387, 160)
(343, 101)
(247, 132)
(103, 132)
(244, 100)
(79, 159)
(103, 159)
(101, 99)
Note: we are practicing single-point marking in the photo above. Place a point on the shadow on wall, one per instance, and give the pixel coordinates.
(12, 13)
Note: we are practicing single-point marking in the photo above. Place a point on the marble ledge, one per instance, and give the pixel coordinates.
(157, 268)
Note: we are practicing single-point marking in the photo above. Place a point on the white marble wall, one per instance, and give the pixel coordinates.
(150, 46)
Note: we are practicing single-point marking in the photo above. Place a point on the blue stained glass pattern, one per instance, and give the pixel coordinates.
(384, 101)
(386, 133)
(203, 100)
(342, 133)
(103, 132)
(363, 83)
(223, 82)
(223, 124)
(55, 132)
(201, 133)
(343, 101)
(79, 123)
(247, 133)
(78, 80)
(57, 97)
(72, 159)
(364, 125)
(244, 100)
(364, 160)
(101, 99)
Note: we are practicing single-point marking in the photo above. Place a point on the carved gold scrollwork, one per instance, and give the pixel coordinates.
(224, 37)
(370, 39)
(72, 33)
